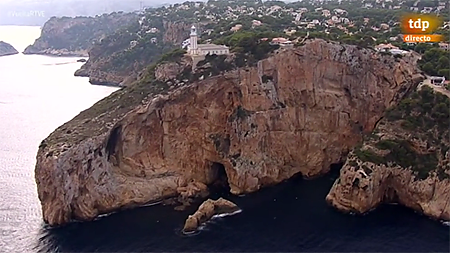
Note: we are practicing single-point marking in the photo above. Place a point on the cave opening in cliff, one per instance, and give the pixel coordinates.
(219, 181)
(335, 169)
(112, 141)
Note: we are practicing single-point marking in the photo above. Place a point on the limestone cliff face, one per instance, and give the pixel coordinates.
(297, 111)
(406, 161)
(119, 59)
(68, 36)
(7, 49)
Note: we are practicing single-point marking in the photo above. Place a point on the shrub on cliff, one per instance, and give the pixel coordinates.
(435, 62)
(423, 115)
(174, 55)
(248, 46)
(423, 110)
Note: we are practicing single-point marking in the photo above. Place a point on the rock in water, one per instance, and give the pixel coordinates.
(298, 111)
(7, 49)
(206, 211)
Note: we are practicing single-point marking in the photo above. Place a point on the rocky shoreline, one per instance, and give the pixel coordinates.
(55, 52)
(298, 111)
(405, 160)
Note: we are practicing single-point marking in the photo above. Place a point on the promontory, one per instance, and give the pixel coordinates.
(298, 110)
(7, 49)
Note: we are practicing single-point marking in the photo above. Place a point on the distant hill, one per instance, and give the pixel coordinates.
(37, 12)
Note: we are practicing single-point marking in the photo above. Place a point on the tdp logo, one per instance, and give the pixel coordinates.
(419, 24)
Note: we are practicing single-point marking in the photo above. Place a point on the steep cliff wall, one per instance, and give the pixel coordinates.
(297, 111)
(67, 36)
(406, 160)
(7, 49)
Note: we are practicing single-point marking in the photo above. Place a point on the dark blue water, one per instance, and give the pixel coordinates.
(38, 94)
(289, 217)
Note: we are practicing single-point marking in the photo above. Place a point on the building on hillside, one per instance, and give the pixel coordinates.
(282, 42)
(204, 49)
(236, 28)
(437, 80)
(444, 46)
(398, 52)
(385, 47)
(256, 23)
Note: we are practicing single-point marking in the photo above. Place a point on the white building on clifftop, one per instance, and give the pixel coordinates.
(203, 49)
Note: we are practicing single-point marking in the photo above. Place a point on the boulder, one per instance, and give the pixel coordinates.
(206, 211)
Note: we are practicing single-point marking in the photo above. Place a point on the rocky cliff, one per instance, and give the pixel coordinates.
(406, 160)
(67, 36)
(7, 49)
(121, 57)
(297, 111)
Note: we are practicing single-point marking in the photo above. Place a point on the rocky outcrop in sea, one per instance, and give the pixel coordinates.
(405, 160)
(7, 49)
(206, 211)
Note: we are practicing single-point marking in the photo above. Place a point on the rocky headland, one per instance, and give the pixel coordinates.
(66, 36)
(120, 58)
(405, 160)
(296, 111)
(7, 49)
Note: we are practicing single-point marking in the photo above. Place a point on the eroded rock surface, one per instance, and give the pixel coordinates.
(295, 112)
(206, 211)
(406, 161)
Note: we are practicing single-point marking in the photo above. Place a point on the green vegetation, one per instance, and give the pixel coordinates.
(403, 154)
(424, 115)
(212, 65)
(434, 61)
(369, 156)
(248, 46)
(82, 32)
(423, 110)
(173, 56)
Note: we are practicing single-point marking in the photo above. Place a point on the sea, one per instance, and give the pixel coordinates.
(39, 93)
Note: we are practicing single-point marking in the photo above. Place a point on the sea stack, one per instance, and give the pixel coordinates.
(7, 49)
(206, 211)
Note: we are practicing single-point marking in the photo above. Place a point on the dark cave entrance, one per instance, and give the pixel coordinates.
(112, 142)
(335, 170)
(218, 186)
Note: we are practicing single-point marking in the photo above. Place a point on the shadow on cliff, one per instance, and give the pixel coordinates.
(219, 186)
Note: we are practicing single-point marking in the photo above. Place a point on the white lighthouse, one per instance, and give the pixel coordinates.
(193, 48)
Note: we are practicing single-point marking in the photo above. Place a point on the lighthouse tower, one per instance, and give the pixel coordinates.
(193, 49)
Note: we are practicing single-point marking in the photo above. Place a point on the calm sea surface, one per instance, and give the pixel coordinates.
(39, 93)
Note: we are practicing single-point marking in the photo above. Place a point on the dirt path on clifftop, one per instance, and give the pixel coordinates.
(437, 88)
